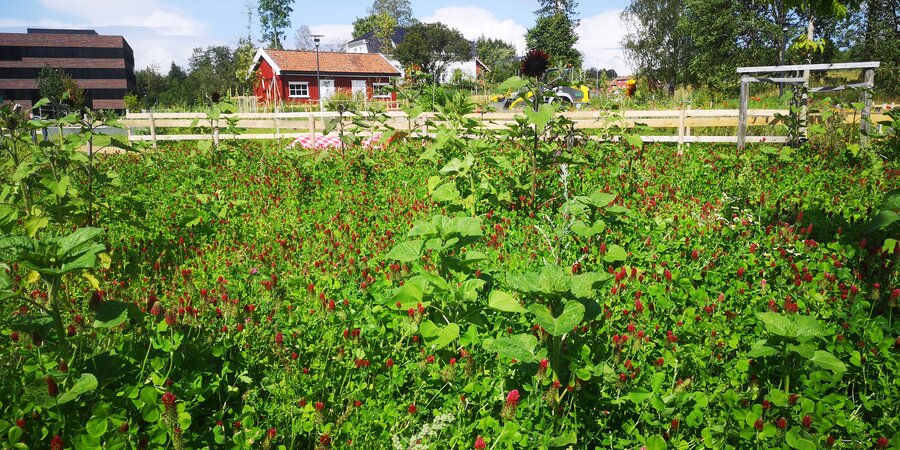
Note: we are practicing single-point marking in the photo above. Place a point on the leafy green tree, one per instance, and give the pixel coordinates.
(150, 85)
(382, 24)
(212, 70)
(555, 34)
(400, 10)
(50, 84)
(657, 44)
(175, 93)
(432, 46)
(879, 21)
(723, 35)
(499, 56)
(554, 7)
(62, 91)
(274, 19)
(363, 25)
(243, 59)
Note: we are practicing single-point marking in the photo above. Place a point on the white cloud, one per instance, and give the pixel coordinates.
(333, 32)
(599, 40)
(334, 36)
(474, 22)
(147, 14)
(158, 34)
(161, 51)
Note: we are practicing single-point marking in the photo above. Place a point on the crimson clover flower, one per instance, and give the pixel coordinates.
(512, 399)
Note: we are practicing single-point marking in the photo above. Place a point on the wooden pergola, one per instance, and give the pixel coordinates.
(798, 75)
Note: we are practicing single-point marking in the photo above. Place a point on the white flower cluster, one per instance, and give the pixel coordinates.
(419, 441)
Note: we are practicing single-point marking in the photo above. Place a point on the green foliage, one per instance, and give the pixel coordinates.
(499, 56)
(555, 34)
(432, 46)
(875, 20)
(657, 42)
(51, 84)
(132, 102)
(151, 86)
(61, 90)
(274, 19)
(399, 10)
(270, 297)
(563, 7)
(888, 212)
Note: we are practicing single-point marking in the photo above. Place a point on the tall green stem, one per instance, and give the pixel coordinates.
(52, 289)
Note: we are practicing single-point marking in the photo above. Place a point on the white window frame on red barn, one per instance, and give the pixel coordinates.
(375, 87)
(292, 84)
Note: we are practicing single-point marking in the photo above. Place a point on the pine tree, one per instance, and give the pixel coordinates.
(554, 32)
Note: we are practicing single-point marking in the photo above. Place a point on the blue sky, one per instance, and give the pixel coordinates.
(161, 31)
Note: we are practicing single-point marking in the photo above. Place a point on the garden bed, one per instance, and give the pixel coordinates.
(257, 297)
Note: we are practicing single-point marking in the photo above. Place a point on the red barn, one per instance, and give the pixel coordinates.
(290, 75)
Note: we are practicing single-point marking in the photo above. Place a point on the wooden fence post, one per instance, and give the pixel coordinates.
(312, 128)
(277, 130)
(128, 129)
(153, 131)
(687, 129)
(681, 129)
(742, 115)
(867, 108)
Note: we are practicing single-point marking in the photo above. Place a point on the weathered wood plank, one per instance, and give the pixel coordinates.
(797, 67)
(742, 117)
(774, 80)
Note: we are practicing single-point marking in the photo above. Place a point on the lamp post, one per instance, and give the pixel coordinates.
(317, 38)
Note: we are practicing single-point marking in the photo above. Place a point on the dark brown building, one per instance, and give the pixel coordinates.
(101, 65)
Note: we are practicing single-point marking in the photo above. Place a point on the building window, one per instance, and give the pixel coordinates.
(379, 90)
(10, 53)
(298, 89)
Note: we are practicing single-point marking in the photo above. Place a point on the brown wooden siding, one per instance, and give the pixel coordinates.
(60, 40)
(84, 84)
(67, 63)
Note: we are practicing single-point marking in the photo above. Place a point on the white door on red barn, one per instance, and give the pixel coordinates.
(326, 89)
(359, 88)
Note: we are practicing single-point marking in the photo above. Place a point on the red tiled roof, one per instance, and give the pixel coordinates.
(332, 63)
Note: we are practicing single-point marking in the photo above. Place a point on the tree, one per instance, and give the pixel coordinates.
(61, 89)
(656, 43)
(51, 84)
(150, 85)
(383, 25)
(555, 34)
(243, 59)
(303, 39)
(499, 56)
(400, 10)
(880, 23)
(274, 18)
(212, 70)
(563, 7)
(432, 46)
(363, 25)
(722, 35)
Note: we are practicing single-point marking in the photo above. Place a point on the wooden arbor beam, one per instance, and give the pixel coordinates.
(868, 68)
